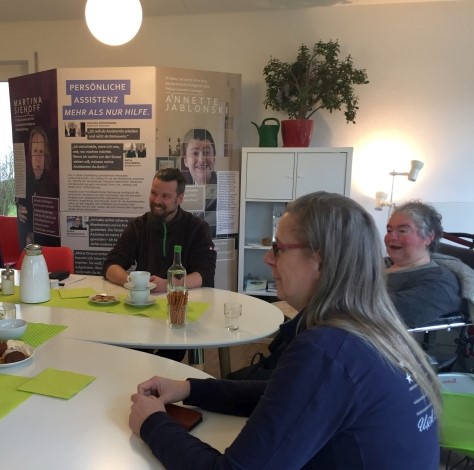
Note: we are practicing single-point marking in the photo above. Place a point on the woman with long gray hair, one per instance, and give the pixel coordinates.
(351, 390)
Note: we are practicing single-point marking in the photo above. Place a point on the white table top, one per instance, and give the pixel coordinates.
(90, 431)
(259, 319)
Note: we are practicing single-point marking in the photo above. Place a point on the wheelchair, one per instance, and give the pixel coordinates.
(449, 341)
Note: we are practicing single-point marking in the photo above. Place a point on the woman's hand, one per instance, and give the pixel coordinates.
(168, 390)
(142, 407)
(151, 397)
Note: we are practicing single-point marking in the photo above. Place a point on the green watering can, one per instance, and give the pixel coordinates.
(268, 133)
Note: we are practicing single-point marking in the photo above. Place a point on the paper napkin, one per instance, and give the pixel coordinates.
(76, 293)
(57, 383)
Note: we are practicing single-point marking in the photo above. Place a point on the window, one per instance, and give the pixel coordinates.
(6, 144)
(7, 176)
(8, 69)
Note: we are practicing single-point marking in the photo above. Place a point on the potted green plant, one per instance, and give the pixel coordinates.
(318, 79)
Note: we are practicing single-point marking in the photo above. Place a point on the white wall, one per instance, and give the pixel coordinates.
(418, 104)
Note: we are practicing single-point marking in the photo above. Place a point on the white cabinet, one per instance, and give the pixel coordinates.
(287, 175)
(271, 177)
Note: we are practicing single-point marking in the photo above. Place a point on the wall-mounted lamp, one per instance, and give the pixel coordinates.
(114, 22)
(416, 166)
(381, 197)
(381, 200)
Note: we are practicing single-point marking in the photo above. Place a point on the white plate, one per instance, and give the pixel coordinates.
(31, 349)
(146, 304)
(130, 286)
(97, 302)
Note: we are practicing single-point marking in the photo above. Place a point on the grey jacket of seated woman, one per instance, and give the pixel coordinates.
(421, 290)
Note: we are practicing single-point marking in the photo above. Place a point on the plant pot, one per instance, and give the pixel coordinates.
(297, 132)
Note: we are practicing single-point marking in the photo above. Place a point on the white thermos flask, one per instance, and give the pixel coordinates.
(34, 276)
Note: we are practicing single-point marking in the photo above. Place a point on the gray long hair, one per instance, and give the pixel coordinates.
(426, 219)
(351, 293)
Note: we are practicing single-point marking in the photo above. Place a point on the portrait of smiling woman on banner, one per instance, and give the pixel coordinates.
(199, 158)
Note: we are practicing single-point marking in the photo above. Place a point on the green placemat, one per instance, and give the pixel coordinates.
(10, 396)
(39, 333)
(56, 383)
(14, 298)
(157, 310)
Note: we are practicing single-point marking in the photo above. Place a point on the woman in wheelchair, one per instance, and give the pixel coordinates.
(422, 289)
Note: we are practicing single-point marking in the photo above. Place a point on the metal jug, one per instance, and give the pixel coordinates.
(34, 276)
(268, 133)
(8, 283)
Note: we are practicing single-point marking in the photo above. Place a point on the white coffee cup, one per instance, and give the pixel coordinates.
(139, 279)
(138, 297)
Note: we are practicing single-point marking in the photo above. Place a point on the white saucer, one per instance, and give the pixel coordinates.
(98, 299)
(131, 286)
(133, 304)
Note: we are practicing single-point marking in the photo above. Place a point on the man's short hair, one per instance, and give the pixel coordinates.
(172, 174)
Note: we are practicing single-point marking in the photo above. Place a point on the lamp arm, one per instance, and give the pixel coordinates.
(393, 173)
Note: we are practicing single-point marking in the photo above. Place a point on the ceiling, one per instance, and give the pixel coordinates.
(57, 10)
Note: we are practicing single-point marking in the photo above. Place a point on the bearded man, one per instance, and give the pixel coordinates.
(148, 240)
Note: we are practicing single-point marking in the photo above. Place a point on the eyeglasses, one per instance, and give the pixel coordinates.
(276, 247)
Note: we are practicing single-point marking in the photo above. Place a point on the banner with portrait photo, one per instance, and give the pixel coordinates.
(34, 111)
(197, 114)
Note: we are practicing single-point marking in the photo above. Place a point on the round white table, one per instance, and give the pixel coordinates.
(90, 431)
(259, 319)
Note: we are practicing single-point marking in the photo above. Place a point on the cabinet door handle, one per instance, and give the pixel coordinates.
(289, 176)
(300, 176)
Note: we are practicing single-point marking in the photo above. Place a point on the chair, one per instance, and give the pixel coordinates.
(457, 425)
(9, 242)
(58, 258)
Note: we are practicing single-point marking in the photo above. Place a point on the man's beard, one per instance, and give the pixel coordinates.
(157, 220)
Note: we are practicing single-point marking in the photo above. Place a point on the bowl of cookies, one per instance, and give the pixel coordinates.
(13, 352)
(12, 329)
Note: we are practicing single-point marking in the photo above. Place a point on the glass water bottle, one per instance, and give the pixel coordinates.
(177, 293)
(177, 272)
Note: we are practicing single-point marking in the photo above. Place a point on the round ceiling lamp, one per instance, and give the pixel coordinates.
(114, 22)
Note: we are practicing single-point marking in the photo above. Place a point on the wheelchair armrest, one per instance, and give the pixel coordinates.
(445, 322)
